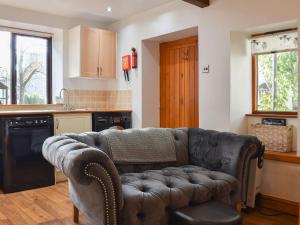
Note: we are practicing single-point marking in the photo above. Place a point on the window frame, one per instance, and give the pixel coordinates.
(254, 89)
(14, 65)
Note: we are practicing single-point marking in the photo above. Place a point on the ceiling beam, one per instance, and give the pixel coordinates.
(199, 3)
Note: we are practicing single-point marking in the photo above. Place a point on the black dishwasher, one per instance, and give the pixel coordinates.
(24, 166)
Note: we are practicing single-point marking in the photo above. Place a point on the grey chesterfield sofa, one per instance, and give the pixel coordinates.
(138, 177)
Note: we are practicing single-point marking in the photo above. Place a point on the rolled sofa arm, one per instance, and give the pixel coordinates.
(94, 183)
(225, 152)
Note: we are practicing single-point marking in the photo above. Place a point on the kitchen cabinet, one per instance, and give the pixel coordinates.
(92, 53)
(70, 123)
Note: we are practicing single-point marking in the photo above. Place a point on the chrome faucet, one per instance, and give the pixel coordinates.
(67, 102)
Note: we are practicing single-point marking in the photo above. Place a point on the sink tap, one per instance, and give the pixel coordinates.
(67, 102)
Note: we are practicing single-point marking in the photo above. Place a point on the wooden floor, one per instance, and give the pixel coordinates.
(51, 206)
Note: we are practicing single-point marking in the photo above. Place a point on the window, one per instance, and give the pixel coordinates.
(275, 73)
(25, 69)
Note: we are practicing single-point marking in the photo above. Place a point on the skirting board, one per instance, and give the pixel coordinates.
(281, 205)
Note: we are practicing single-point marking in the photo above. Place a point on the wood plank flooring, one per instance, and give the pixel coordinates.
(51, 206)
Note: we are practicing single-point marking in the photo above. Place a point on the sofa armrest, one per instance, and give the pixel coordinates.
(225, 152)
(94, 183)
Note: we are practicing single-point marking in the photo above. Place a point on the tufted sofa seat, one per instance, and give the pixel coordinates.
(172, 188)
(208, 165)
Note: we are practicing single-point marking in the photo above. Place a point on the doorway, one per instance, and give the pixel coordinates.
(179, 83)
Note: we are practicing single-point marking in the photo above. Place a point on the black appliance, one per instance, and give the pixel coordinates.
(105, 120)
(274, 121)
(24, 166)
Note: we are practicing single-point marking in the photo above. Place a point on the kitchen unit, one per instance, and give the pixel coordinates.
(24, 131)
(72, 123)
(22, 162)
(105, 120)
(92, 53)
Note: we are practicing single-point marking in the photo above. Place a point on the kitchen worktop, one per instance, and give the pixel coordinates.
(56, 111)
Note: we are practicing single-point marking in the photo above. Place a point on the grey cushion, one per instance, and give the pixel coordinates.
(225, 152)
(150, 196)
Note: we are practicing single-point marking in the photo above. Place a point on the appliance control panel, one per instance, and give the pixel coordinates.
(28, 122)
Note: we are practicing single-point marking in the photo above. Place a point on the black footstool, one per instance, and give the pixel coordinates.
(210, 213)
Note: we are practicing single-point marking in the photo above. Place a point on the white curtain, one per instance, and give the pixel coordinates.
(275, 42)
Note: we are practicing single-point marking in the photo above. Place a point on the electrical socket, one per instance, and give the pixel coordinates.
(205, 68)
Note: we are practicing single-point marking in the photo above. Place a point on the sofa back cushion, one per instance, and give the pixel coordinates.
(100, 141)
(220, 151)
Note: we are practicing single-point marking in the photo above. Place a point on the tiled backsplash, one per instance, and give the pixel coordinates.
(100, 99)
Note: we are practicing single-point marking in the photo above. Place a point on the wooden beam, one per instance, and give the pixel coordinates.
(199, 3)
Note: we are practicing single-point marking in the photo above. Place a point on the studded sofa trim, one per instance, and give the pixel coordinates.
(110, 220)
(86, 169)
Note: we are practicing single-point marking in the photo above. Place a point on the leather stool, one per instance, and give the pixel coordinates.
(209, 213)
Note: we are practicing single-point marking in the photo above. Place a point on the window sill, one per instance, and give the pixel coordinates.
(273, 115)
(290, 157)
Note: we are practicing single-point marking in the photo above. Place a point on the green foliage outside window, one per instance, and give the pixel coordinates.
(277, 85)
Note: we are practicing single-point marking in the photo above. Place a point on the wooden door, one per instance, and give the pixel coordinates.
(90, 52)
(107, 57)
(179, 83)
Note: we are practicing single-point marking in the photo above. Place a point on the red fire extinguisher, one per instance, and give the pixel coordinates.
(134, 58)
(126, 66)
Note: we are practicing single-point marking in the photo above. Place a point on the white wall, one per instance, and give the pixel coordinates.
(240, 81)
(281, 180)
(215, 24)
(21, 18)
(150, 84)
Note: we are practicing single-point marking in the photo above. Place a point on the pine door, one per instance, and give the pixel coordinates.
(179, 83)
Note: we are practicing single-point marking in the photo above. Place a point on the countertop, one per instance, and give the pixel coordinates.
(56, 111)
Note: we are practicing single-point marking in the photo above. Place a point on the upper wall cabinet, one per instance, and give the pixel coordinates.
(92, 53)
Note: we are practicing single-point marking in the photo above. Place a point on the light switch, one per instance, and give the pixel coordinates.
(205, 68)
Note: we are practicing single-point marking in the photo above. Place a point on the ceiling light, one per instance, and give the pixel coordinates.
(108, 9)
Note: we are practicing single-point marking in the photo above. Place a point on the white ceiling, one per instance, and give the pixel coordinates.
(87, 9)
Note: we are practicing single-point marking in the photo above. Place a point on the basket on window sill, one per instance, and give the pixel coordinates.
(275, 138)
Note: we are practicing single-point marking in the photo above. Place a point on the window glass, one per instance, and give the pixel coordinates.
(31, 70)
(5, 67)
(277, 81)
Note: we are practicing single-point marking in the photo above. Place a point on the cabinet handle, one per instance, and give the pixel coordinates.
(100, 70)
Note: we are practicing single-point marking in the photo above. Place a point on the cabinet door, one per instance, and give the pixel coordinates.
(90, 52)
(107, 55)
(72, 124)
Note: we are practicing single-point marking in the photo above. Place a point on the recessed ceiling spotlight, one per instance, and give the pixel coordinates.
(108, 9)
